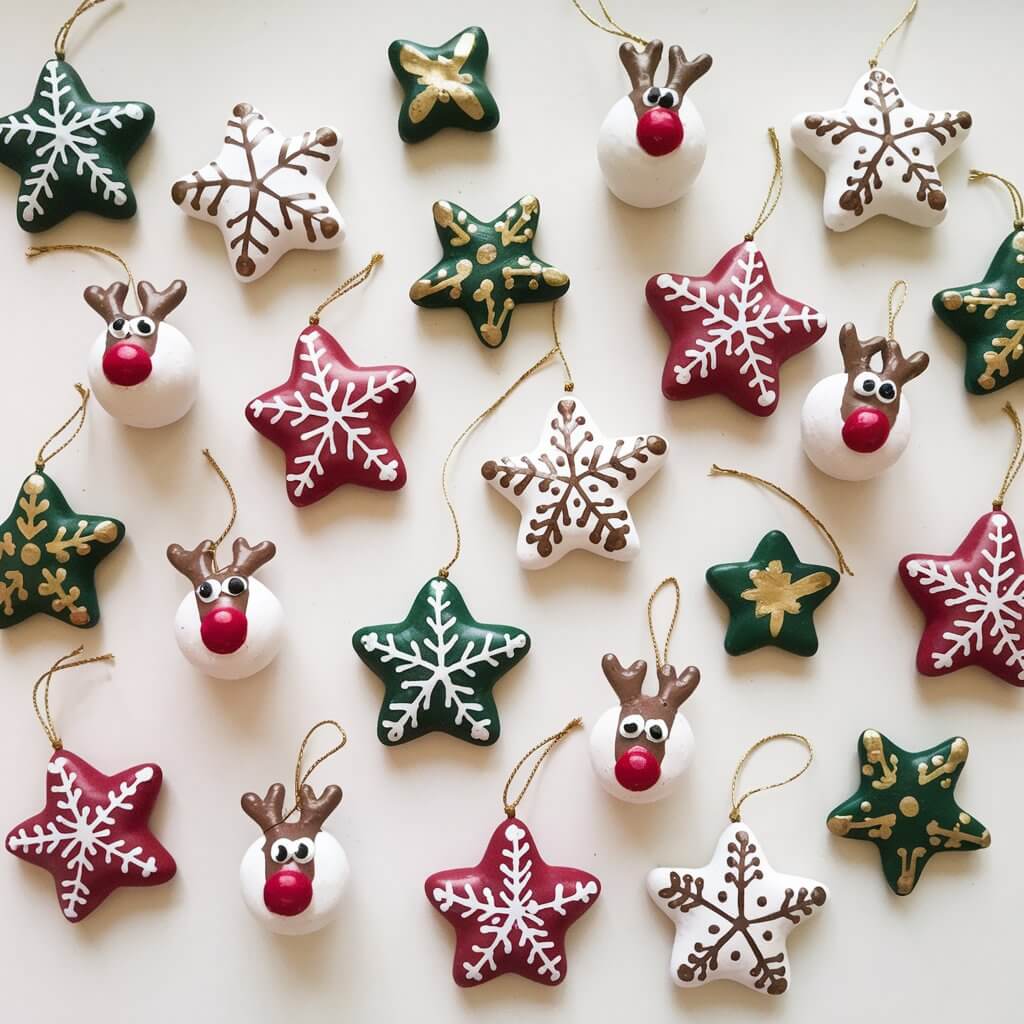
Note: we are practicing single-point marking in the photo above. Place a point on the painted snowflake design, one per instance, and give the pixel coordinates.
(512, 910)
(731, 331)
(733, 917)
(572, 489)
(332, 418)
(267, 192)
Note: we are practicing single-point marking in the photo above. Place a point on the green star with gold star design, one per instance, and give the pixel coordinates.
(989, 318)
(488, 267)
(444, 85)
(905, 806)
(48, 555)
(772, 598)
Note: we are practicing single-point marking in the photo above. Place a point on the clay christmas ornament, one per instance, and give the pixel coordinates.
(267, 192)
(905, 805)
(443, 85)
(488, 267)
(439, 667)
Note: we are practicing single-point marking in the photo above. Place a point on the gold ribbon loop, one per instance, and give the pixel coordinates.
(908, 14)
(62, 663)
(1016, 460)
(41, 250)
(734, 813)
(661, 656)
(42, 458)
(60, 41)
(346, 286)
(612, 27)
(771, 200)
(1015, 196)
(234, 505)
(547, 745)
(894, 309)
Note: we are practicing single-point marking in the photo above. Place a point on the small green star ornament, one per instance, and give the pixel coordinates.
(444, 85)
(48, 555)
(439, 666)
(487, 267)
(989, 318)
(905, 806)
(70, 151)
(772, 598)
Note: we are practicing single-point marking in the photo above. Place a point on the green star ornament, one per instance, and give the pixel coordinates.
(439, 666)
(48, 555)
(905, 806)
(444, 85)
(70, 151)
(487, 267)
(772, 598)
(989, 318)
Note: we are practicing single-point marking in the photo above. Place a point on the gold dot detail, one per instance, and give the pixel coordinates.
(965, 818)
(909, 807)
(30, 554)
(866, 806)
(35, 484)
(487, 253)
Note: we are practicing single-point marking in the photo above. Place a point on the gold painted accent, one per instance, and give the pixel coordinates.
(443, 80)
(33, 507)
(491, 331)
(7, 547)
(422, 288)
(875, 752)
(878, 828)
(955, 838)
(487, 253)
(865, 806)
(35, 484)
(554, 276)
(12, 590)
(105, 532)
(992, 301)
(444, 217)
(774, 593)
(518, 232)
(909, 807)
(958, 752)
(30, 554)
(997, 360)
(908, 869)
(63, 600)
(1018, 242)
(965, 818)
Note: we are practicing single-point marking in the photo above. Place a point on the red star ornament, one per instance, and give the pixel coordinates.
(93, 834)
(332, 419)
(730, 332)
(511, 911)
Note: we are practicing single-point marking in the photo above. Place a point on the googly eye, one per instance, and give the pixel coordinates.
(656, 730)
(118, 328)
(652, 96)
(887, 392)
(142, 326)
(208, 590)
(281, 851)
(236, 585)
(303, 850)
(631, 727)
(669, 98)
(866, 384)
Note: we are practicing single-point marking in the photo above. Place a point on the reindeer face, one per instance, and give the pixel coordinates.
(293, 876)
(231, 625)
(641, 748)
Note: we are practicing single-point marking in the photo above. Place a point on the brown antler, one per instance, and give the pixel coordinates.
(268, 811)
(196, 564)
(315, 810)
(682, 73)
(675, 689)
(159, 305)
(246, 560)
(900, 369)
(857, 354)
(640, 65)
(626, 682)
(108, 302)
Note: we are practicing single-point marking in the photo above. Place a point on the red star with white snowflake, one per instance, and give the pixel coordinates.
(511, 911)
(93, 834)
(332, 419)
(730, 332)
(973, 602)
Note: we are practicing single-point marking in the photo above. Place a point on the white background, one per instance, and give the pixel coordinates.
(188, 950)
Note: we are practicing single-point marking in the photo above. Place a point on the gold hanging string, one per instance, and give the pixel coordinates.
(548, 745)
(569, 384)
(1016, 460)
(234, 505)
(1015, 197)
(895, 307)
(908, 14)
(612, 27)
(60, 41)
(771, 200)
(734, 814)
(661, 657)
(43, 714)
(844, 566)
(346, 286)
(42, 458)
(302, 777)
(40, 250)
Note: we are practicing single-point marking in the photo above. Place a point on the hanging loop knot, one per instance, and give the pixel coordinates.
(346, 286)
(737, 803)
(302, 777)
(661, 656)
(908, 14)
(234, 506)
(771, 200)
(611, 26)
(60, 41)
(896, 307)
(43, 713)
(547, 745)
(1016, 459)
(1015, 196)
(42, 458)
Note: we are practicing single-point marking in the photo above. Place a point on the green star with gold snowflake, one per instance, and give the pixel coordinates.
(48, 555)
(487, 267)
(444, 85)
(905, 806)
(772, 597)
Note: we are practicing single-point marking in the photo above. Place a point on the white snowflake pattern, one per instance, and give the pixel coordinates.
(513, 915)
(67, 140)
(992, 601)
(84, 833)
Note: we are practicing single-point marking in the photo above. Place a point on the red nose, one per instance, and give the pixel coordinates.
(126, 364)
(637, 770)
(659, 131)
(224, 630)
(865, 429)
(287, 892)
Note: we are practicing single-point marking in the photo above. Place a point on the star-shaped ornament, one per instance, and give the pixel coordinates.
(511, 911)
(772, 598)
(439, 667)
(973, 602)
(332, 419)
(267, 192)
(487, 267)
(573, 488)
(71, 152)
(48, 555)
(989, 318)
(93, 834)
(880, 154)
(734, 915)
(730, 332)
(905, 806)
(444, 85)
